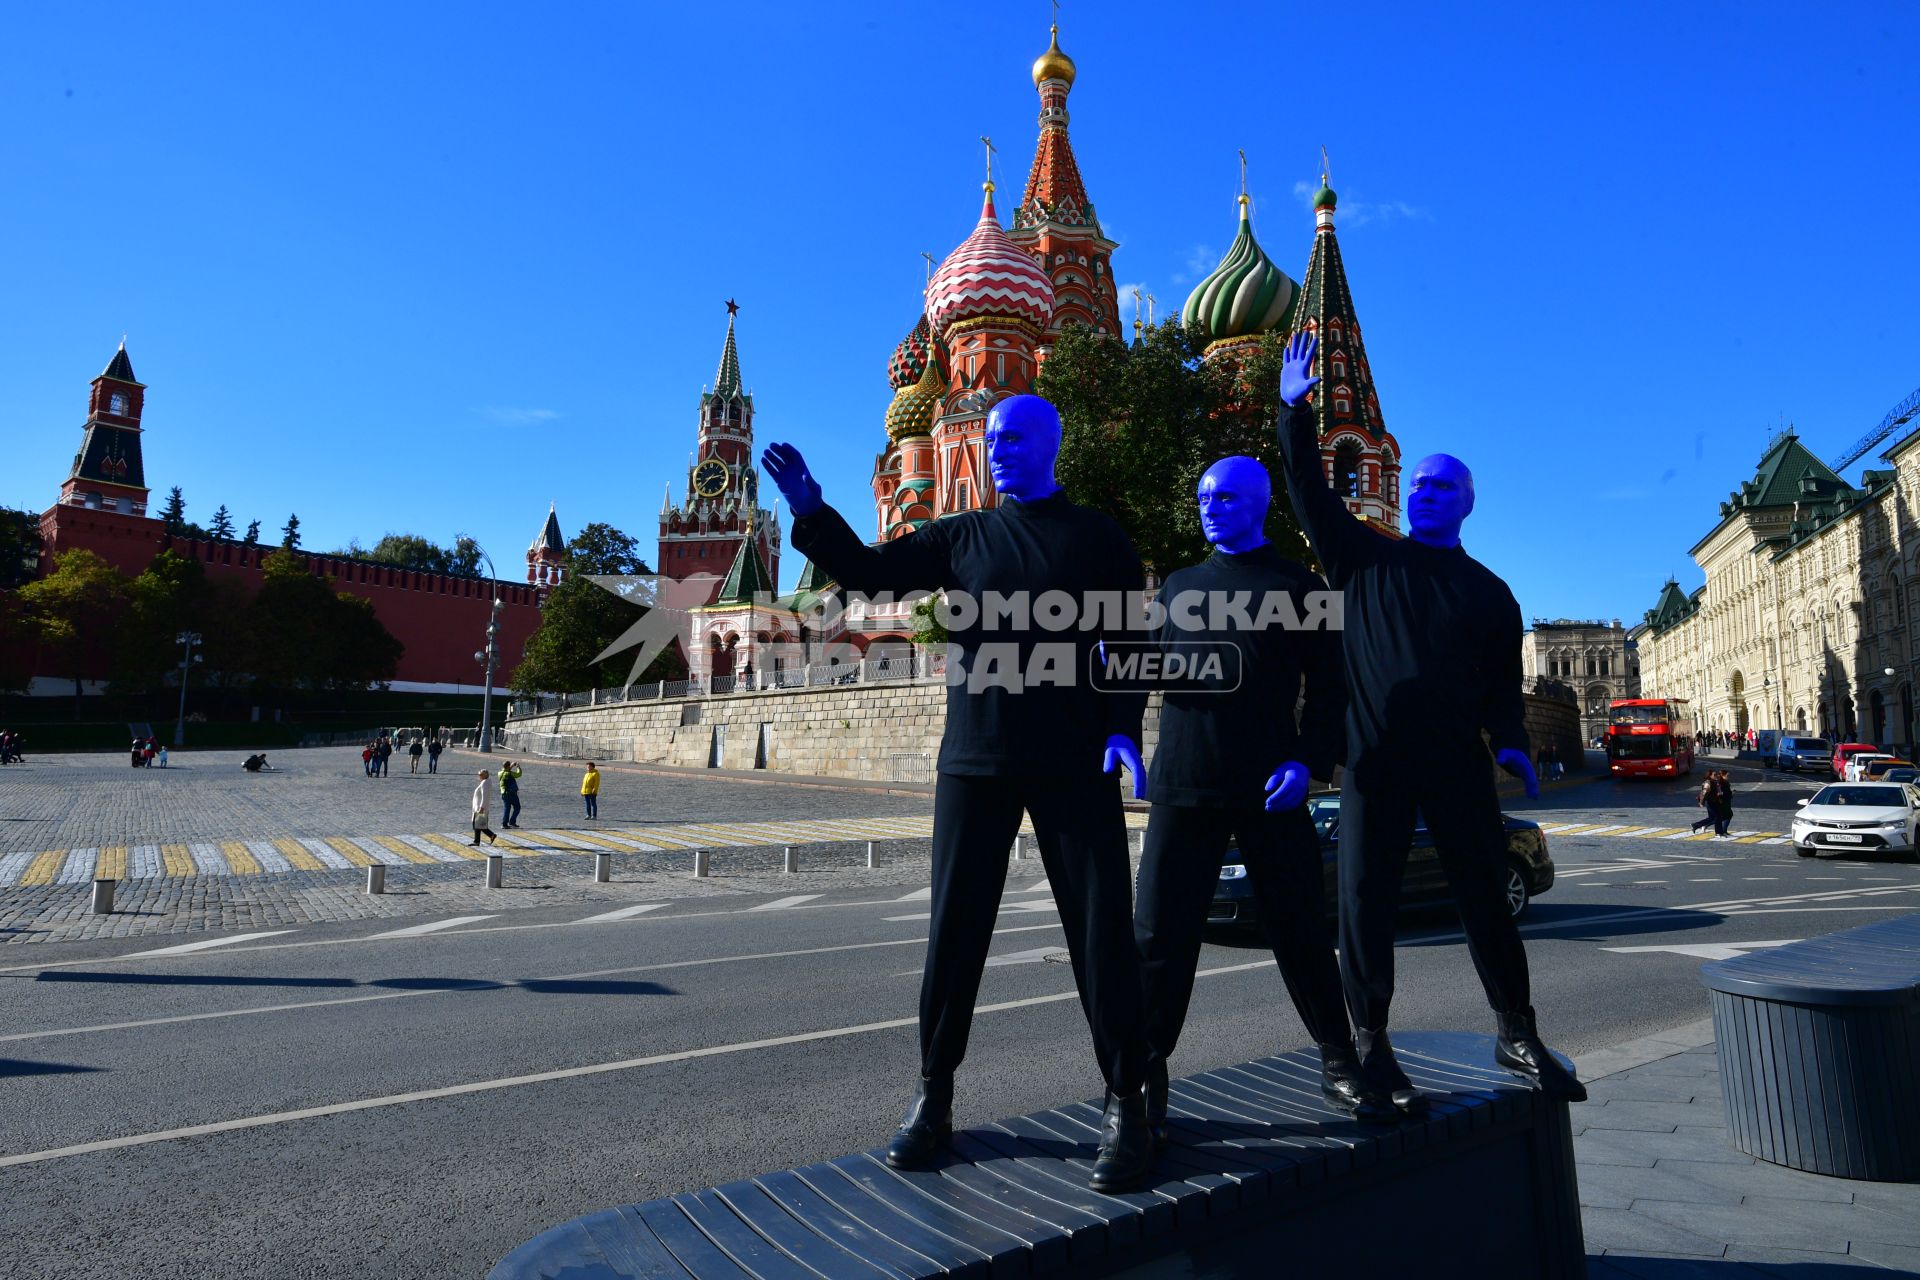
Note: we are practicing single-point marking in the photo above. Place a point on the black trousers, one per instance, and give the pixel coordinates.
(1376, 828)
(1179, 866)
(1083, 844)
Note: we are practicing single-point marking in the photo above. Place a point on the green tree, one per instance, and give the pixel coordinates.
(253, 533)
(17, 636)
(929, 628)
(175, 512)
(19, 548)
(363, 652)
(290, 534)
(1141, 423)
(580, 619)
(169, 596)
(74, 611)
(301, 635)
(410, 551)
(222, 526)
(463, 560)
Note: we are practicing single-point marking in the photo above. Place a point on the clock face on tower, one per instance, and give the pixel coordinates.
(710, 478)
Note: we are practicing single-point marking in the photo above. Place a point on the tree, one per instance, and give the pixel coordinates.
(169, 596)
(290, 534)
(222, 526)
(253, 533)
(19, 548)
(580, 619)
(929, 629)
(175, 512)
(409, 551)
(17, 636)
(302, 635)
(74, 611)
(463, 560)
(1142, 423)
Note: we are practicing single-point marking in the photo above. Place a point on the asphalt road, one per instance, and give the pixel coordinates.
(330, 1102)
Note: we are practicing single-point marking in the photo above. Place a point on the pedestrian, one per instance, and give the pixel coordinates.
(1704, 800)
(590, 789)
(366, 759)
(161, 756)
(482, 800)
(509, 795)
(384, 754)
(147, 753)
(135, 762)
(433, 754)
(414, 753)
(1723, 808)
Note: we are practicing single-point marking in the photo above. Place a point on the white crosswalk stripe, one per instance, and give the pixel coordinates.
(14, 865)
(78, 867)
(326, 853)
(438, 853)
(918, 895)
(781, 904)
(268, 855)
(206, 944)
(435, 926)
(143, 860)
(206, 859)
(624, 913)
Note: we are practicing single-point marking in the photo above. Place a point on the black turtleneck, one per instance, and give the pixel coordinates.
(1052, 730)
(1432, 636)
(1220, 742)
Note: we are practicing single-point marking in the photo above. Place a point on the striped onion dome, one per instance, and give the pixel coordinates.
(909, 359)
(914, 408)
(1246, 294)
(989, 275)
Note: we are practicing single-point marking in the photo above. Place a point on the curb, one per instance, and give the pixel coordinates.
(1614, 1059)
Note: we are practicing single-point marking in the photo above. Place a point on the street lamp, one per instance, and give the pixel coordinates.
(188, 639)
(489, 655)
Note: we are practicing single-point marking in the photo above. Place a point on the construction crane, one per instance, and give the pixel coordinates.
(1896, 418)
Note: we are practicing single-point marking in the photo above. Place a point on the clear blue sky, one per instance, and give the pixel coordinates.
(427, 268)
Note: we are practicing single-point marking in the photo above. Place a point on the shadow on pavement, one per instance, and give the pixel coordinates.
(541, 986)
(1581, 921)
(1615, 1266)
(21, 1067)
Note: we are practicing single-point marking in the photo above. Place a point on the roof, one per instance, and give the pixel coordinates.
(1777, 482)
(748, 580)
(726, 383)
(1326, 304)
(120, 369)
(1245, 295)
(110, 455)
(550, 538)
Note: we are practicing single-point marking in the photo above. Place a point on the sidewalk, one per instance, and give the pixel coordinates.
(1664, 1194)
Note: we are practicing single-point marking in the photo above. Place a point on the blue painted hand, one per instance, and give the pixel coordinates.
(1122, 750)
(1296, 368)
(1517, 764)
(788, 471)
(1287, 787)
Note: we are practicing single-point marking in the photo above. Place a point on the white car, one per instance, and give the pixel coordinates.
(1858, 817)
(1858, 762)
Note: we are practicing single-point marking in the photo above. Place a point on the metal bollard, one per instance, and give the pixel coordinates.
(603, 867)
(700, 857)
(495, 862)
(873, 854)
(376, 878)
(790, 860)
(1019, 848)
(103, 897)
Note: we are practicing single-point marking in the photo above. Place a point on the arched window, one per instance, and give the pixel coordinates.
(1346, 469)
(1339, 364)
(117, 403)
(1343, 399)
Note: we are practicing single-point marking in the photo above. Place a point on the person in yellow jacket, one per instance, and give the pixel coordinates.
(590, 789)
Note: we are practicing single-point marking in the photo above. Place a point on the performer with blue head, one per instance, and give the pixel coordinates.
(1432, 657)
(1026, 733)
(1238, 748)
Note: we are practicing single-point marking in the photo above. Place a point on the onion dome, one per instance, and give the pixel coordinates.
(909, 359)
(1324, 197)
(1246, 294)
(1053, 64)
(914, 408)
(989, 275)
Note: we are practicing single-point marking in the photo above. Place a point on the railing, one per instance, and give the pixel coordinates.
(566, 746)
(921, 667)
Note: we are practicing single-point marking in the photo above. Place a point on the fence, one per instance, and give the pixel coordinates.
(926, 667)
(567, 746)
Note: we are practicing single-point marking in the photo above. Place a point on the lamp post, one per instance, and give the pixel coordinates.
(188, 639)
(489, 655)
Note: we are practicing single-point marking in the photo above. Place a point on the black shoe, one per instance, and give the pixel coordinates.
(1381, 1070)
(927, 1125)
(1156, 1096)
(1520, 1050)
(1345, 1086)
(1126, 1148)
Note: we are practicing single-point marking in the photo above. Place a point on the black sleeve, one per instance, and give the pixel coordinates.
(921, 561)
(1323, 718)
(1125, 711)
(1503, 712)
(1340, 540)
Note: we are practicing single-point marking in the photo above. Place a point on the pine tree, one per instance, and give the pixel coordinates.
(222, 524)
(290, 535)
(175, 512)
(253, 534)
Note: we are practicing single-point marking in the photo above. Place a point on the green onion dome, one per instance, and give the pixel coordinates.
(1324, 197)
(914, 408)
(1246, 294)
(909, 359)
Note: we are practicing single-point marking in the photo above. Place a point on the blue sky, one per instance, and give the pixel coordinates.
(425, 268)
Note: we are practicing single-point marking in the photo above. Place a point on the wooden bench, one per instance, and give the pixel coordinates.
(1261, 1177)
(1819, 1045)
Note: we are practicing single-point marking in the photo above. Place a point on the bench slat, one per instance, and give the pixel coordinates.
(1125, 1222)
(937, 1241)
(740, 1242)
(1083, 1235)
(809, 1206)
(952, 1208)
(759, 1211)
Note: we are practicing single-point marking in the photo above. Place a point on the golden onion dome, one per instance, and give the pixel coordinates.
(1053, 64)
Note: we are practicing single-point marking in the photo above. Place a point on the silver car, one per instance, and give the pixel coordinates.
(1858, 817)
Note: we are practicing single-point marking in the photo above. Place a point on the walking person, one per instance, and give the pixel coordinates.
(590, 789)
(1704, 800)
(433, 754)
(366, 760)
(509, 795)
(1722, 808)
(482, 802)
(414, 753)
(384, 754)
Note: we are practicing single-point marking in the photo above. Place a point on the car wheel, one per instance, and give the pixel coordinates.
(1514, 889)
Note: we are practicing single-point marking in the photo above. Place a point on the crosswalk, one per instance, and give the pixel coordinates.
(342, 853)
(1632, 831)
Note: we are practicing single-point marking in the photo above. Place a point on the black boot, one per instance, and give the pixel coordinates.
(1345, 1086)
(1156, 1094)
(1382, 1072)
(927, 1125)
(1520, 1049)
(1126, 1148)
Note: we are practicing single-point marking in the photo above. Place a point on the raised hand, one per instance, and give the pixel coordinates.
(1517, 764)
(1287, 787)
(788, 471)
(1122, 750)
(1296, 368)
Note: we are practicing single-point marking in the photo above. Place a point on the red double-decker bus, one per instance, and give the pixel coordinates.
(1649, 738)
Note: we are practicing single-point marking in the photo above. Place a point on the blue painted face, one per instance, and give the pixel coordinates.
(1023, 439)
(1234, 495)
(1439, 500)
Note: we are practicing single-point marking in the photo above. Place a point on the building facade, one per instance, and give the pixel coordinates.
(1592, 658)
(1805, 621)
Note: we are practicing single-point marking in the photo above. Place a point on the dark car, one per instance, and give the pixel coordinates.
(1528, 872)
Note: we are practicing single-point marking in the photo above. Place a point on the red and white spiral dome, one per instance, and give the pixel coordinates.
(989, 275)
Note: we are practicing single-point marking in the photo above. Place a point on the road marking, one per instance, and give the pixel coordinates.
(240, 858)
(113, 863)
(44, 867)
(1704, 879)
(78, 868)
(918, 895)
(1704, 950)
(781, 904)
(420, 930)
(624, 913)
(268, 855)
(204, 944)
(541, 1077)
(1033, 956)
(399, 845)
(1004, 908)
